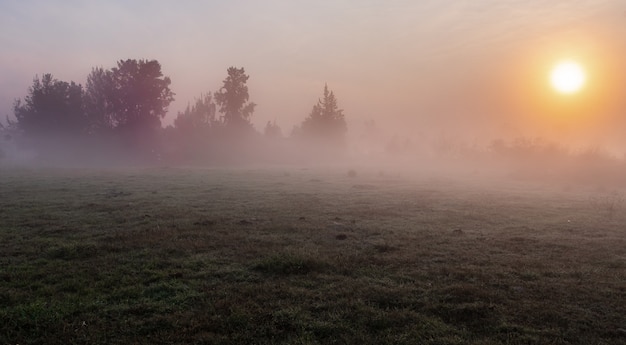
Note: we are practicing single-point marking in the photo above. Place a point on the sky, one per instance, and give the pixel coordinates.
(472, 69)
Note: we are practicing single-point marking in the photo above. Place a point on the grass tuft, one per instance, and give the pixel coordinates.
(289, 264)
(72, 251)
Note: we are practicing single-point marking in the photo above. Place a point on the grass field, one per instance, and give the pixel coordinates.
(297, 256)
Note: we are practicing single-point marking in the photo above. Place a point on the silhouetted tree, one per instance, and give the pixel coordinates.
(272, 130)
(132, 96)
(125, 106)
(99, 103)
(326, 122)
(199, 117)
(232, 99)
(51, 112)
(194, 128)
(141, 95)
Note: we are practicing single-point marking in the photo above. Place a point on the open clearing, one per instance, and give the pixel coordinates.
(297, 256)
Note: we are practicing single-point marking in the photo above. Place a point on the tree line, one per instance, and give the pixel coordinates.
(118, 115)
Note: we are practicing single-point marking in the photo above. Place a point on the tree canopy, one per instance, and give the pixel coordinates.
(119, 112)
(98, 98)
(232, 99)
(199, 116)
(326, 122)
(52, 109)
(140, 95)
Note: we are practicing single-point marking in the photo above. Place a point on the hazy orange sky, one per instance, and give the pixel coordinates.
(418, 68)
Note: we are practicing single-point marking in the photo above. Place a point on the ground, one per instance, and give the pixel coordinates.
(306, 256)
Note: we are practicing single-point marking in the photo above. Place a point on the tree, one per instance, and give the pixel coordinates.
(140, 95)
(232, 99)
(198, 117)
(53, 109)
(326, 121)
(132, 96)
(193, 129)
(99, 103)
(272, 130)
(125, 105)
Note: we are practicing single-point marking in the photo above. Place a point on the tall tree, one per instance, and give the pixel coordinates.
(232, 99)
(52, 109)
(99, 103)
(141, 95)
(326, 122)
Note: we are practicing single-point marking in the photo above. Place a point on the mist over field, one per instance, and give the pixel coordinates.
(427, 87)
(464, 75)
(116, 120)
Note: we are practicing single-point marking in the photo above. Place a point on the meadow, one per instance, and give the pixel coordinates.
(306, 256)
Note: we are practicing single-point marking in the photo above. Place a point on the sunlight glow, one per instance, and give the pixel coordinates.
(567, 77)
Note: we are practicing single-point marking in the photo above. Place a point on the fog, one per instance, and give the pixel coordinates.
(444, 86)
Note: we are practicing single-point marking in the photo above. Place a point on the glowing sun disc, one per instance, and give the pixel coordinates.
(567, 77)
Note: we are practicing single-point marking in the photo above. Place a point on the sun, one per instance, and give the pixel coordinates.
(567, 77)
